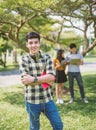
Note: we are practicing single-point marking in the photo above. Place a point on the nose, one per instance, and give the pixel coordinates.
(33, 44)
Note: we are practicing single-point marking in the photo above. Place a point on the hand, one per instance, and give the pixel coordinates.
(80, 63)
(27, 79)
(65, 63)
(68, 62)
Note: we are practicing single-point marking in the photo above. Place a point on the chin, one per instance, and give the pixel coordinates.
(34, 53)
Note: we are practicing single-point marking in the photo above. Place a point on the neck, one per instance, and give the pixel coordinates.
(37, 55)
(73, 52)
(32, 54)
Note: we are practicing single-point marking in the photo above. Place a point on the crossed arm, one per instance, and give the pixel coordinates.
(29, 80)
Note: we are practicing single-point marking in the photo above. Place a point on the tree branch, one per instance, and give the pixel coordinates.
(89, 48)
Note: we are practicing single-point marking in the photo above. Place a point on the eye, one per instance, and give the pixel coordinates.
(30, 43)
(36, 42)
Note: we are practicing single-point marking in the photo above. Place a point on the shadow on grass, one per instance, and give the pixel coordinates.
(15, 98)
(78, 106)
(90, 83)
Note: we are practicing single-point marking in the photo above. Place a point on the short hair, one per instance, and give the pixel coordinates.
(72, 45)
(31, 35)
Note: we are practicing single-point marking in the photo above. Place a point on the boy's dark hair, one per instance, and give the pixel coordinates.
(32, 35)
(72, 45)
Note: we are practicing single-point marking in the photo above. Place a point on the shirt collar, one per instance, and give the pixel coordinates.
(37, 56)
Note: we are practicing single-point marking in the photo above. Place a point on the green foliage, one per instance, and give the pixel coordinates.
(21, 16)
(46, 47)
(68, 41)
(41, 22)
(4, 45)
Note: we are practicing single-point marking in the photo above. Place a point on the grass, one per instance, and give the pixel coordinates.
(90, 59)
(76, 116)
(9, 66)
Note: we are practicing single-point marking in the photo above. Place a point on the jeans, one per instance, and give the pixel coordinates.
(77, 76)
(49, 109)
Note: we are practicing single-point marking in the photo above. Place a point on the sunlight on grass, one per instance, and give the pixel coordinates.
(13, 117)
(90, 59)
(76, 116)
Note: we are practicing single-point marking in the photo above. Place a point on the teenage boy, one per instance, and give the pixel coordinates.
(38, 97)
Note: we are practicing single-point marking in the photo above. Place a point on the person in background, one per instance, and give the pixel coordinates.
(74, 60)
(60, 66)
(36, 74)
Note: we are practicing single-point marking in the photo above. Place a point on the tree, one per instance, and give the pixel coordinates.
(3, 49)
(79, 10)
(17, 18)
(21, 16)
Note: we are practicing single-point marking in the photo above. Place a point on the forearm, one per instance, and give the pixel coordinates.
(80, 63)
(29, 80)
(46, 78)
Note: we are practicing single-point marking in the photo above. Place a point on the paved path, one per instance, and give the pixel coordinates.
(10, 78)
(88, 67)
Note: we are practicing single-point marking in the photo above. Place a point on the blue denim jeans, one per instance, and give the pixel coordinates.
(77, 76)
(49, 109)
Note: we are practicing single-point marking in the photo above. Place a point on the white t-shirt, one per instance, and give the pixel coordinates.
(72, 67)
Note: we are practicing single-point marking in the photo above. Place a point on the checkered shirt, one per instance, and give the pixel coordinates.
(37, 94)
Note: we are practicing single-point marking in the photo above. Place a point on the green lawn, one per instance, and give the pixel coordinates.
(9, 66)
(90, 59)
(76, 116)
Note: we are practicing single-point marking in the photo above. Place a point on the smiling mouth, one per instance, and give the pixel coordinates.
(34, 49)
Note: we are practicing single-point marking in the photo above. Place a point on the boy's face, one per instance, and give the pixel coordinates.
(73, 50)
(33, 45)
